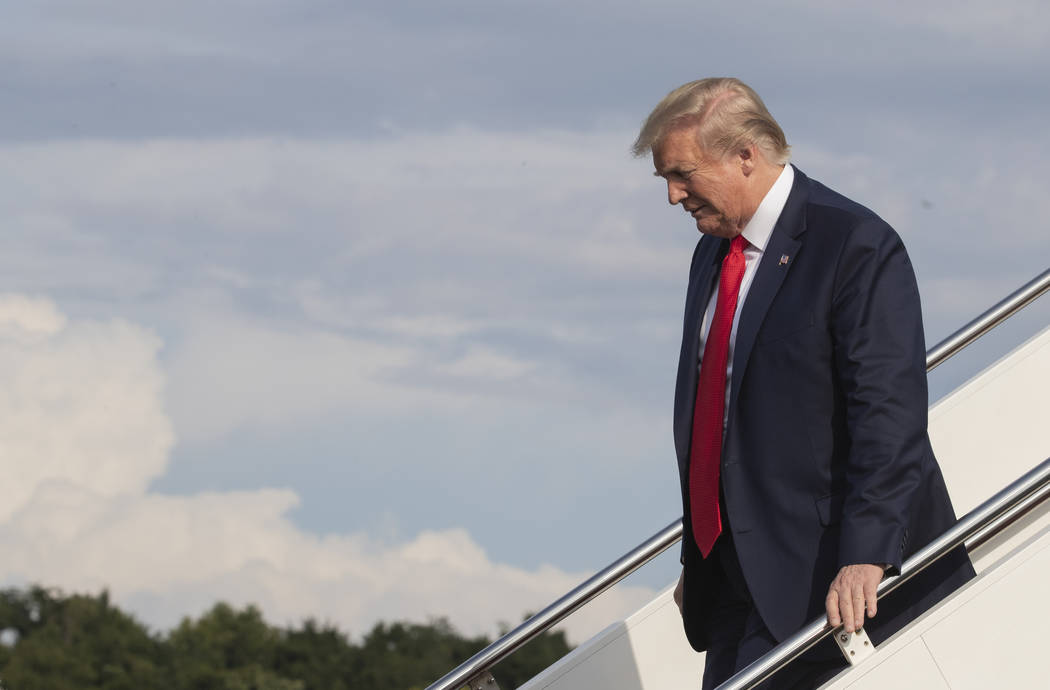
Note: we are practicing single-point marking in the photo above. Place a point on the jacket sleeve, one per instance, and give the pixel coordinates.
(880, 362)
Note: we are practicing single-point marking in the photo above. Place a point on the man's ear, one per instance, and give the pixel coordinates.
(747, 158)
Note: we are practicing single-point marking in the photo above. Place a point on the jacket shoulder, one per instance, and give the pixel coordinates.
(829, 212)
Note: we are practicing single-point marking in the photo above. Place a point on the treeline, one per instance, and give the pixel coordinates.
(51, 641)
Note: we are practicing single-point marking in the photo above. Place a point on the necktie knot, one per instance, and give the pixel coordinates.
(738, 244)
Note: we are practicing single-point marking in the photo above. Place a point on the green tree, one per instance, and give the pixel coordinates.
(320, 656)
(226, 650)
(76, 642)
(411, 655)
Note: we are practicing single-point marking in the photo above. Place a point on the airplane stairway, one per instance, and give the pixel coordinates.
(986, 434)
(648, 649)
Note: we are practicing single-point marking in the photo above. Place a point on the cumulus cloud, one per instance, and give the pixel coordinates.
(82, 432)
(80, 403)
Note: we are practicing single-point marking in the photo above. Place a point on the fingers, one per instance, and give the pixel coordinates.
(840, 606)
(678, 592)
(854, 591)
(871, 598)
(847, 605)
(831, 605)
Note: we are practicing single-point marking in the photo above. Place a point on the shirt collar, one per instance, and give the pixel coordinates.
(760, 227)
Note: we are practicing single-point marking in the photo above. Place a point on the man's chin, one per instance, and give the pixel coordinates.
(716, 230)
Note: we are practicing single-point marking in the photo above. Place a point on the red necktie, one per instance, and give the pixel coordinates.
(706, 451)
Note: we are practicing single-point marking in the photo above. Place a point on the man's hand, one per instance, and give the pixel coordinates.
(678, 591)
(853, 590)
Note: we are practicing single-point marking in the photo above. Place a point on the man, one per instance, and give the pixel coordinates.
(801, 401)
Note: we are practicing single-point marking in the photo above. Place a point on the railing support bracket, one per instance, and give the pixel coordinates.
(856, 646)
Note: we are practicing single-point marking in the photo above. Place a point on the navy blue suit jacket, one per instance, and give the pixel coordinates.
(826, 461)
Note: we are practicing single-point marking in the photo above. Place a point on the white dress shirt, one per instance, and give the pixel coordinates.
(756, 232)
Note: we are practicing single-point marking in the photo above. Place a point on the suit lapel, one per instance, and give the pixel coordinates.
(699, 293)
(704, 282)
(773, 269)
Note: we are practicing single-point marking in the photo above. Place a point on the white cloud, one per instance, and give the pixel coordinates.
(80, 402)
(82, 433)
(27, 320)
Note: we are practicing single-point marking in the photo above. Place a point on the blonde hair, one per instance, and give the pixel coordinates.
(729, 114)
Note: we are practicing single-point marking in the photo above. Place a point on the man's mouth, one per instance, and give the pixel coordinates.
(699, 211)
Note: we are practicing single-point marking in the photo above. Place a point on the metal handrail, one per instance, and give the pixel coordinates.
(1011, 304)
(560, 609)
(555, 613)
(1018, 498)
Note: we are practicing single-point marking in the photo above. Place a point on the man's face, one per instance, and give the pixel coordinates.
(711, 189)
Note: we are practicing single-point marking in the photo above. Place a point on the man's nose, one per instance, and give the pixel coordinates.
(675, 193)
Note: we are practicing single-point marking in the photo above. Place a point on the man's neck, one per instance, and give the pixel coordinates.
(762, 179)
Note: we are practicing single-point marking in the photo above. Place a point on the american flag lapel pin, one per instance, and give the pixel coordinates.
(783, 259)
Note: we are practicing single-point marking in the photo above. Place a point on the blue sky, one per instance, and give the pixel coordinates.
(378, 287)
